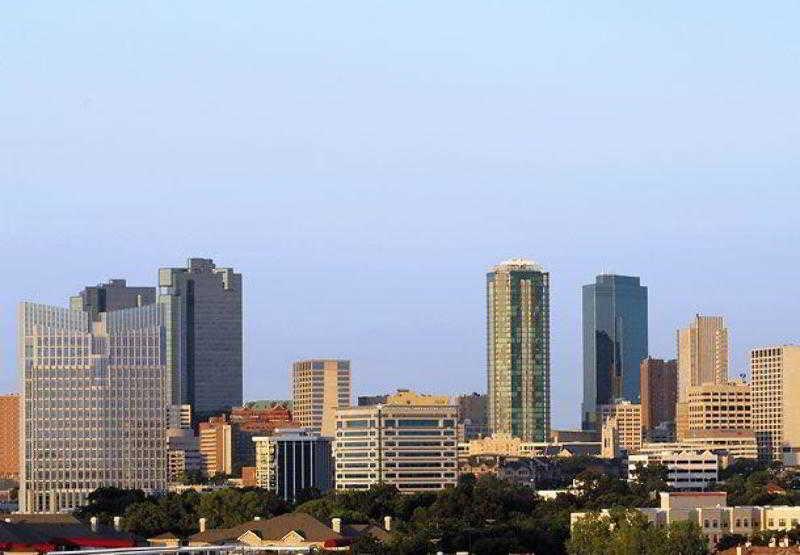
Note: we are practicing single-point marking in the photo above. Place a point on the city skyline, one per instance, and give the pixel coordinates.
(560, 419)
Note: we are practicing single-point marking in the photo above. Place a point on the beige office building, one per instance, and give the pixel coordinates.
(626, 418)
(775, 375)
(319, 388)
(724, 406)
(702, 353)
(409, 442)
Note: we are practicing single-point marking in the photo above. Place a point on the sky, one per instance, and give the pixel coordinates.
(363, 164)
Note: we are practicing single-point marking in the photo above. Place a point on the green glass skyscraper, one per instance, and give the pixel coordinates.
(518, 349)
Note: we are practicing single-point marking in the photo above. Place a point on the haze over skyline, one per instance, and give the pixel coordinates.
(363, 167)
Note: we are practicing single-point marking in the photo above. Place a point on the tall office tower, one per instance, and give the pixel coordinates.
(94, 406)
(775, 375)
(204, 336)
(292, 460)
(659, 391)
(702, 353)
(114, 295)
(614, 342)
(319, 388)
(409, 442)
(9, 436)
(518, 349)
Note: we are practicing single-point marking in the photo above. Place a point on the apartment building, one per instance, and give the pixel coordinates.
(319, 388)
(410, 442)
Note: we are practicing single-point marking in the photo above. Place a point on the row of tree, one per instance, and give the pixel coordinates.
(482, 515)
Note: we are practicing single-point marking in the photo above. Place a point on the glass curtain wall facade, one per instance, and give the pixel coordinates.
(518, 349)
(94, 405)
(203, 308)
(614, 342)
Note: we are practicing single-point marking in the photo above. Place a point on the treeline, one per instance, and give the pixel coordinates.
(484, 515)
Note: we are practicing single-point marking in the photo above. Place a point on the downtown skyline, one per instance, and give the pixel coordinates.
(559, 418)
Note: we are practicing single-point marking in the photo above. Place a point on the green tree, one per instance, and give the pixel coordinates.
(146, 519)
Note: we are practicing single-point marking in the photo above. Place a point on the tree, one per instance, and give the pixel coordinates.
(192, 477)
(108, 502)
(730, 540)
(686, 538)
(146, 519)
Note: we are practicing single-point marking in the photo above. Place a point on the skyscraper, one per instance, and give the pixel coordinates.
(94, 405)
(203, 306)
(114, 295)
(518, 349)
(702, 354)
(614, 342)
(659, 391)
(319, 388)
(776, 413)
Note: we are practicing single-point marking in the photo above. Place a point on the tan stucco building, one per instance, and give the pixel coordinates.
(319, 388)
(702, 353)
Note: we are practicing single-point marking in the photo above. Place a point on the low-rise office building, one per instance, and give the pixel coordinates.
(292, 460)
(409, 442)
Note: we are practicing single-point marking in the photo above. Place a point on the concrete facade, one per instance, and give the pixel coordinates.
(626, 417)
(775, 375)
(702, 353)
(319, 388)
(722, 406)
(686, 470)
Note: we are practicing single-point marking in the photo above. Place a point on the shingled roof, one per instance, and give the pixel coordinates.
(272, 529)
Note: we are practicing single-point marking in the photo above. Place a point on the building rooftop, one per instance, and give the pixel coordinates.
(518, 264)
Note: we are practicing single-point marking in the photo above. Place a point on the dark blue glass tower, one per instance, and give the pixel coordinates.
(614, 342)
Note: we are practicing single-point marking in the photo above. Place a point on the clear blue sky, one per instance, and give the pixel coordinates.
(363, 164)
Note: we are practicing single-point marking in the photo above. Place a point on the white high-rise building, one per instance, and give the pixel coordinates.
(409, 442)
(94, 403)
